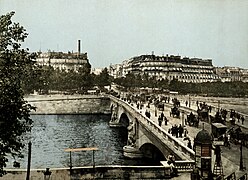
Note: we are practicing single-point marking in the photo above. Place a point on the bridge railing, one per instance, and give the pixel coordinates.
(175, 142)
(178, 145)
(184, 166)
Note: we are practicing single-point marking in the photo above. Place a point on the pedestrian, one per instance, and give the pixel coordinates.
(189, 144)
(171, 159)
(162, 115)
(185, 132)
(148, 105)
(180, 130)
(176, 131)
(165, 121)
(172, 130)
(137, 105)
(225, 140)
(186, 103)
(171, 163)
(148, 114)
(160, 121)
(242, 119)
(228, 140)
(238, 116)
(210, 108)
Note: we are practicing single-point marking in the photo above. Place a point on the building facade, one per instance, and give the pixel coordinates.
(64, 61)
(167, 67)
(230, 74)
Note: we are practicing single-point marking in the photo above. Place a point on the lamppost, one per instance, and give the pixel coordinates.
(189, 100)
(29, 160)
(241, 167)
(47, 174)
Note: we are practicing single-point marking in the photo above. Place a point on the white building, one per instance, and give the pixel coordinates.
(63, 61)
(168, 67)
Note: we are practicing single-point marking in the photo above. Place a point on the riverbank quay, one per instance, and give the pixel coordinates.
(69, 104)
(98, 172)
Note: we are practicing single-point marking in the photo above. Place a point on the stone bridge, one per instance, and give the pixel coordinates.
(146, 138)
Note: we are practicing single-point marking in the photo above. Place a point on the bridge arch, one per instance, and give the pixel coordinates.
(145, 135)
(124, 121)
(151, 152)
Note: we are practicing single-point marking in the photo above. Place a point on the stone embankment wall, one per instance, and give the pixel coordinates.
(99, 172)
(61, 104)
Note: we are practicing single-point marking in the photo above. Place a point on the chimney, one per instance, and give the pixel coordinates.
(79, 47)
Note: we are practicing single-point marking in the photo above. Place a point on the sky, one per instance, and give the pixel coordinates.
(112, 31)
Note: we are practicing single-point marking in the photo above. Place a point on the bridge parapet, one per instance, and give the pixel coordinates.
(175, 145)
(184, 166)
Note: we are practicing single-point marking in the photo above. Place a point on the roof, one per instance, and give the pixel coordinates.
(203, 137)
(219, 125)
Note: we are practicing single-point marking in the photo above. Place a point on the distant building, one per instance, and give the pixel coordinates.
(64, 61)
(230, 74)
(116, 70)
(167, 67)
(96, 71)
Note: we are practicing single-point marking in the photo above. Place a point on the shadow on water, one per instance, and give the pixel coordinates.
(51, 134)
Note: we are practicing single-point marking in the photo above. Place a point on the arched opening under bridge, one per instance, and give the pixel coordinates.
(124, 120)
(124, 123)
(152, 153)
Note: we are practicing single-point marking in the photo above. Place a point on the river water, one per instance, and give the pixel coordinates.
(51, 134)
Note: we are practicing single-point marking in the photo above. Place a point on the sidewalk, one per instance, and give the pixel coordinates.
(215, 109)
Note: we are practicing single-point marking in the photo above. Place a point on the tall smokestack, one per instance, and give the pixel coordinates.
(79, 47)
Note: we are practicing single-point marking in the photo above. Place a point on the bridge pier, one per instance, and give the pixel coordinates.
(132, 152)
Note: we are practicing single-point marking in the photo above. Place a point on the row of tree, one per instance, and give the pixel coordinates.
(227, 89)
(46, 78)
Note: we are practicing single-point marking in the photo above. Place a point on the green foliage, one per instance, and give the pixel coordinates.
(103, 79)
(16, 65)
(47, 78)
(230, 89)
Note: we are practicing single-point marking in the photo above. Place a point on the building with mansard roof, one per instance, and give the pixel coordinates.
(64, 61)
(168, 67)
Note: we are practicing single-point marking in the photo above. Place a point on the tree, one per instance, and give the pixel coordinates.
(103, 79)
(15, 118)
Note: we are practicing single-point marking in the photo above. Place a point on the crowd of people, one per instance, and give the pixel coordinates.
(177, 130)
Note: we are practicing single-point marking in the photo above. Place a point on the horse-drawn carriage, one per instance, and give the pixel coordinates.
(160, 106)
(238, 136)
(175, 112)
(203, 114)
(192, 120)
(217, 118)
(176, 102)
(218, 129)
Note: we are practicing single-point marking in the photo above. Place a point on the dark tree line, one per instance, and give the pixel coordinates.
(45, 79)
(225, 89)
